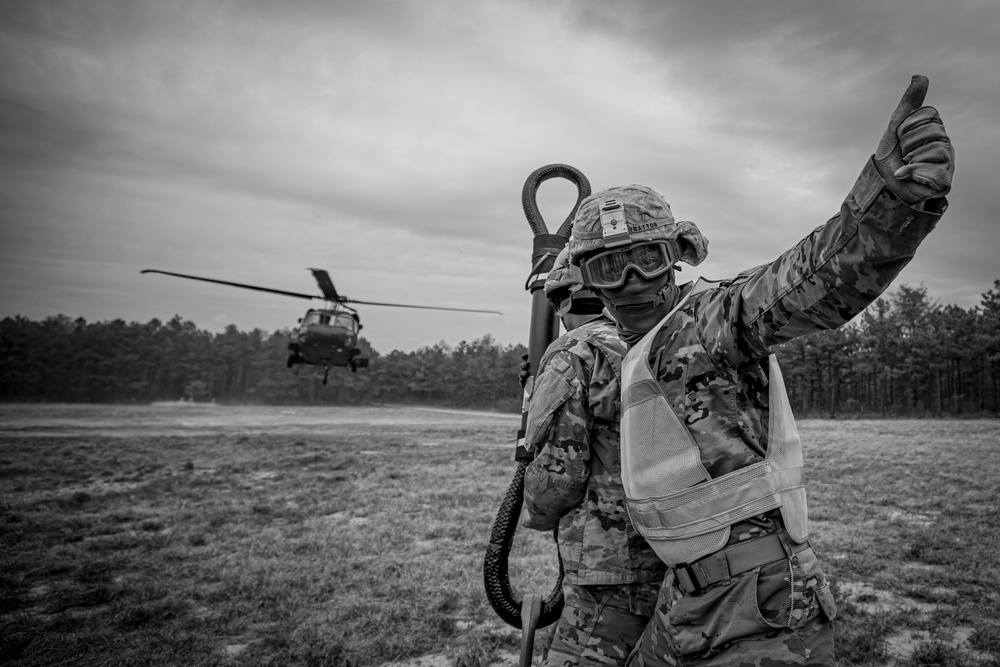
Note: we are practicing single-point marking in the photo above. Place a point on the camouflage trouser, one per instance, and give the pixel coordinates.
(773, 616)
(600, 624)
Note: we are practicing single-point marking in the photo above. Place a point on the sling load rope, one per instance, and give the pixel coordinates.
(544, 328)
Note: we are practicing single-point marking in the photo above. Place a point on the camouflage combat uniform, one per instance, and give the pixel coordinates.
(612, 576)
(710, 362)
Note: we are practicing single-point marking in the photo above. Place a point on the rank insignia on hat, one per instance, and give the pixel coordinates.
(613, 227)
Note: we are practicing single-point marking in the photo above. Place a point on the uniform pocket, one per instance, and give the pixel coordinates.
(795, 591)
(576, 624)
(826, 602)
(548, 395)
(698, 625)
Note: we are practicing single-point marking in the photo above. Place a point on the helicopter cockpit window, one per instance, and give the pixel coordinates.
(346, 321)
(312, 317)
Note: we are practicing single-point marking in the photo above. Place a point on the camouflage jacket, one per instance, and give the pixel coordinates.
(710, 358)
(710, 362)
(575, 481)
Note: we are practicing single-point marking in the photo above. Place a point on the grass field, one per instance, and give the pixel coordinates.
(357, 538)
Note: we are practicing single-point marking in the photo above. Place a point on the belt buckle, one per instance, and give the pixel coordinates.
(690, 578)
(707, 571)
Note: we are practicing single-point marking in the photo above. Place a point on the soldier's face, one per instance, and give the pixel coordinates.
(642, 317)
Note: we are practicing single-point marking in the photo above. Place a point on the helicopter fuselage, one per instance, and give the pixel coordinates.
(327, 338)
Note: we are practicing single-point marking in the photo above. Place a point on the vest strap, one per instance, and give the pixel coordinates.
(723, 496)
(731, 561)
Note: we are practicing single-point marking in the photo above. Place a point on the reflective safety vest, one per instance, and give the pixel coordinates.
(672, 501)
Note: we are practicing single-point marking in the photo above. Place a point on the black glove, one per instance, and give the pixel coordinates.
(525, 372)
(915, 156)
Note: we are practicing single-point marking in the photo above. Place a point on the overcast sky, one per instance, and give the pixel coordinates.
(388, 143)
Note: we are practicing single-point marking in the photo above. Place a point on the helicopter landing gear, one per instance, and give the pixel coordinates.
(326, 374)
(354, 365)
(294, 355)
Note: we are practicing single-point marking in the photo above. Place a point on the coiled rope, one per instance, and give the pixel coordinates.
(526, 613)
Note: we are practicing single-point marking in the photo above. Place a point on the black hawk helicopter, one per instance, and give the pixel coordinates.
(325, 336)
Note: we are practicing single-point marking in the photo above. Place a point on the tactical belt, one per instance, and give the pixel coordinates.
(735, 559)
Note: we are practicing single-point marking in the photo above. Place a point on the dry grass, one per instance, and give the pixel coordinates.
(904, 516)
(233, 549)
(366, 547)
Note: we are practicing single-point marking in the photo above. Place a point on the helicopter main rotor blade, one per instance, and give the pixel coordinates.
(297, 295)
(326, 285)
(405, 305)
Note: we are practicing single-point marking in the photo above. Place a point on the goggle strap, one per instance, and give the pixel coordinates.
(637, 299)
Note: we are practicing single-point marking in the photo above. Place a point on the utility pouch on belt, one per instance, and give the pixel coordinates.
(659, 456)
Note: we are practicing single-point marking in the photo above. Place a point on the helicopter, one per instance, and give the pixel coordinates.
(324, 336)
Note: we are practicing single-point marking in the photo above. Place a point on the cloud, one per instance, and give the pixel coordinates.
(389, 142)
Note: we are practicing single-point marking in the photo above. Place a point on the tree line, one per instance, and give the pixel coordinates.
(61, 359)
(904, 356)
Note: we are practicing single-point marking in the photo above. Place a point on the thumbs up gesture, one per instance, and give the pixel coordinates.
(915, 156)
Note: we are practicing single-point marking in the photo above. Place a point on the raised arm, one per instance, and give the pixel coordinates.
(841, 267)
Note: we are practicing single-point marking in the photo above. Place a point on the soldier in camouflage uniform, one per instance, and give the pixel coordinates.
(612, 576)
(703, 378)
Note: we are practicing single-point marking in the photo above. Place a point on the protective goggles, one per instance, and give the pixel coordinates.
(608, 269)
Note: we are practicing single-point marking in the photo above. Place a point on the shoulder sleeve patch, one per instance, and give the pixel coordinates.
(552, 389)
